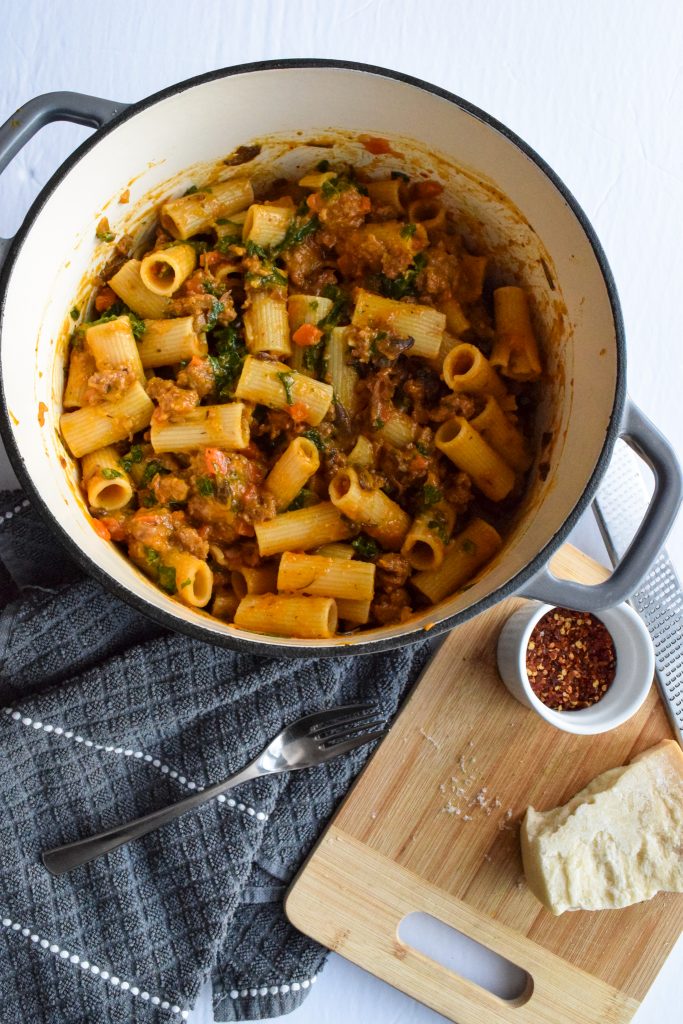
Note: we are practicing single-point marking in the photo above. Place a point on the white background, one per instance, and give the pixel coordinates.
(595, 86)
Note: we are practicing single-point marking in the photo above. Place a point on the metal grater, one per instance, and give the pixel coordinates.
(619, 508)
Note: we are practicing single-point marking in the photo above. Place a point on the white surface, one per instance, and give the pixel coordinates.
(595, 88)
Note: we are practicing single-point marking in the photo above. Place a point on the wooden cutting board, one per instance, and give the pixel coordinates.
(432, 825)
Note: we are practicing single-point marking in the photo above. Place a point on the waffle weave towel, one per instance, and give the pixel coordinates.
(105, 716)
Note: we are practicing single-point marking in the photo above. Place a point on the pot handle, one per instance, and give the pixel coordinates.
(34, 115)
(641, 435)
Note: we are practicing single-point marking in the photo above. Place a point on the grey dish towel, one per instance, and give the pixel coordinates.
(104, 716)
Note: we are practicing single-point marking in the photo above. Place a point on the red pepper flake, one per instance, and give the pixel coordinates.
(571, 660)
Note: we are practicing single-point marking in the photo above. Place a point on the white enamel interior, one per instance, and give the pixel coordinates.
(200, 125)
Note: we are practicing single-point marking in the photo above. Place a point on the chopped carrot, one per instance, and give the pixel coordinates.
(427, 189)
(106, 298)
(307, 335)
(113, 527)
(315, 202)
(101, 530)
(215, 461)
(298, 412)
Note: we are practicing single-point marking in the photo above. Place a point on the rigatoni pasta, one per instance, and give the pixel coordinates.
(308, 413)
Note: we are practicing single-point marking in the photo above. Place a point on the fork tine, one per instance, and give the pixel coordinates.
(333, 716)
(342, 730)
(351, 744)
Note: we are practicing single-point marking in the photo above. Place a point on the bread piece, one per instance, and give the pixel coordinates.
(617, 842)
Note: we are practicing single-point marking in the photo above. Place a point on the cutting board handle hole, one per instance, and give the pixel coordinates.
(466, 957)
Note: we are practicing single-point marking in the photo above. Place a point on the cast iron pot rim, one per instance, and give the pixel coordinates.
(265, 647)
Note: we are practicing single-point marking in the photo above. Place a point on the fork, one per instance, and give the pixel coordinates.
(309, 741)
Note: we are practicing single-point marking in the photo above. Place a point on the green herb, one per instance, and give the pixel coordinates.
(148, 500)
(75, 313)
(137, 325)
(365, 547)
(408, 230)
(322, 166)
(111, 474)
(223, 220)
(167, 579)
(468, 546)
(200, 245)
(133, 457)
(153, 557)
(431, 495)
(340, 307)
(296, 233)
(399, 174)
(314, 436)
(152, 469)
(422, 448)
(211, 289)
(301, 500)
(273, 279)
(227, 362)
(377, 423)
(405, 284)
(224, 243)
(105, 236)
(206, 486)
(212, 316)
(438, 525)
(190, 191)
(313, 357)
(257, 250)
(287, 381)
(185, 583)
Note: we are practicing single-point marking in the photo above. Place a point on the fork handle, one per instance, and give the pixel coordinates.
(65, 858)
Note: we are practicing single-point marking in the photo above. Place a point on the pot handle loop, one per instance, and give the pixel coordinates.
(90, 111)
(641, 435)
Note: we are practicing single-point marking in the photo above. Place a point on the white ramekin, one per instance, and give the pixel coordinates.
(634, 673)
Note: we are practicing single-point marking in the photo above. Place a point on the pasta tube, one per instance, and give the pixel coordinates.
(430, 532)
(447, 344)
(472, 275)
(429, 213)
(398, 429)
(344, 551)
(469, 451)
(113, 346)
(293, 469)
(386, 193)
(305, 309)
(266, 327)
(193, 578)
(164, 270)
(339, 374)
(298, 531)
(81, 369)
(407, 319)
(465, 368)
(456, 321)
(279, 387)
(266, 224)
(379, 516)
(168, 341)
(503, 436)
(222, 426)
(250, 580)
(128, 285)
(95, 426)
(362, 455)
(106, 483)
(515, 350)
(195, 213)
(356, 613)
(225, 605)
(326, 577)
(470, 550)
(310, 618)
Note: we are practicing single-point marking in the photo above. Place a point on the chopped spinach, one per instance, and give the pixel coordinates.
(75, 313)
(152, 469)
(431, 495)
(365, 547)
(322, 166)
(287, 381)
(228, 359)
(105, 236)
(296, 233)
(212, 316)
(301, 501)
(468, 546)
(190, 191)
(405, 284)
(377, 423)
(167, 580)
(340, 306)
(111, 474)
(206, 486)
(153, 557)
(314, 436)
(137, 325)
(133, 457)
(257, 250)
(224, 243)
(438, 525)
(408, 230)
